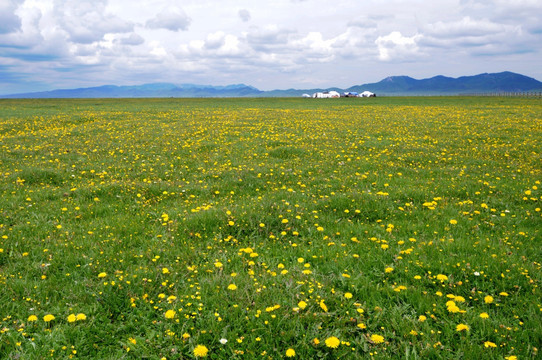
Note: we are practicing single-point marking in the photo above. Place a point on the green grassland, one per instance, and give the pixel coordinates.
(271, 228)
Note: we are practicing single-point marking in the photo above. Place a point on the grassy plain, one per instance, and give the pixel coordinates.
(271, 228)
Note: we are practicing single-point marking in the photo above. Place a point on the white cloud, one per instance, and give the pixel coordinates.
(86, 21)
(9, 20)
(244, 14)
(277, 44)
(395, 46)
(172, 18)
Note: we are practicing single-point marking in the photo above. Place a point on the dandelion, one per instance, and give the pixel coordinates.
(362, 326)
(200, 351)
(332, 342)
(489, 344)
(453, 222)
(316, 341)
(442, 277)
(348, 295)
(170, 314)
(377, 339)
(290, 352)
(32, 318)
(48, 318)
(80, 317)
(422, 318)
(488, 299)
(102, 275)
(511, 357)
(232, 287)
(302, 304)
(165, 270)
(388, 270)
(484, 315)
(323, 306)
(71, 318)
(462, 327)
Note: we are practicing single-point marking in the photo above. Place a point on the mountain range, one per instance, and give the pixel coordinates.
(393, 85)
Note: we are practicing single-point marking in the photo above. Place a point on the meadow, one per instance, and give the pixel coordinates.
(271, 228)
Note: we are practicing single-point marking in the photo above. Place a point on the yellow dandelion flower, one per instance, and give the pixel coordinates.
(71, 318)
(232, 287)
(32, 318)
(462, 327)
(388, 270)
(488, 299)
(302, 304)
(377, 339)
(323, 306)
(48, 318)
(290, 353)
(489, 344)
(200, 351)
(102, 275)
(170, 314)
(422, 318)
(348, 295)
(333, 342)
(484, 315)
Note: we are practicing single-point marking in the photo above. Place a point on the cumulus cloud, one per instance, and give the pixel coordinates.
(244, 14)
(9, 20)
(133, 39)
(87, 21)
(173, 19)
(395, 46)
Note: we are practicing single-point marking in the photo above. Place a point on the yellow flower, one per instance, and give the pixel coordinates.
(232, 287)
(102, 275)
(165, 270)
(511, 357)
(442, 277)
(170, 314)
(453, 222)
(200, 351)
(316, 341)
(323, 305)
(488, 299)
(32, 318)
(348, 295)
(290, 353)
(422, 318)
(48, 318)
(462, 327)
(484, 315)
(388, 269)
(333, 342)
(71, 318)
(377, 339)
(362, 326)
(488, 344)
(302, 304)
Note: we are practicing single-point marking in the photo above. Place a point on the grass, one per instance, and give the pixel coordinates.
(260, 228)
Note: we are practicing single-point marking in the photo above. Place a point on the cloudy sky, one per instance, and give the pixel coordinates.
(279, 44)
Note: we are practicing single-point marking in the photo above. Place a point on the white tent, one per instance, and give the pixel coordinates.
(367, 94)
(326, 95)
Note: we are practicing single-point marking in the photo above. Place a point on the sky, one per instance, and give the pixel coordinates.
(279, 44)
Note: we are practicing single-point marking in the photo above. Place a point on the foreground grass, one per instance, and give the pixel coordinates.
(260, 228)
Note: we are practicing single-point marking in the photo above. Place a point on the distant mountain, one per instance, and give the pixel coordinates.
(483, 83)
(146, 90)
(393, 85)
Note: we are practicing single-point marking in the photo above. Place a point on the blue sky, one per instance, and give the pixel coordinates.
(49, 44)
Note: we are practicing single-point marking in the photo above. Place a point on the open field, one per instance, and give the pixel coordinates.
(271, 228)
